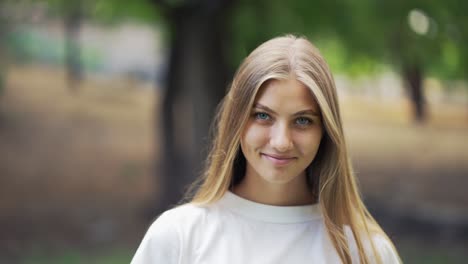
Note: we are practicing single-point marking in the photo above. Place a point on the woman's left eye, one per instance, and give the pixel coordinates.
(303, 121)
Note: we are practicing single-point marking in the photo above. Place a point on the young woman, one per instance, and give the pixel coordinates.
(278, 185)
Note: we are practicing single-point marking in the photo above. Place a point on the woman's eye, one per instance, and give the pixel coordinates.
(302, 121)
(262, 116)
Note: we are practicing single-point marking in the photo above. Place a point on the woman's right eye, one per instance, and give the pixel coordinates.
(261, 116)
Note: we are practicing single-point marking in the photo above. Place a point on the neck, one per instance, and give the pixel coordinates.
(293, 193)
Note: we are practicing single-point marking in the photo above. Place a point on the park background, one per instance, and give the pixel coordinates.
(105, 107)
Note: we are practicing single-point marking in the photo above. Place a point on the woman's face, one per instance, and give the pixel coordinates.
(283, 133)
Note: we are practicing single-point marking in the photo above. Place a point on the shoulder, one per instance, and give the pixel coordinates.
(164, 240)
(174, 222)
(381, 242)
(186, 210)
(385, 249)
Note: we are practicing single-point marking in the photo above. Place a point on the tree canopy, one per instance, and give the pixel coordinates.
(365, 33)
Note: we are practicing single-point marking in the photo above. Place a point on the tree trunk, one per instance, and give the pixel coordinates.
(413, 78)
(72, 23)
(196, 82)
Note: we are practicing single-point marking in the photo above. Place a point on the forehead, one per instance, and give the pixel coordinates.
(288, 94)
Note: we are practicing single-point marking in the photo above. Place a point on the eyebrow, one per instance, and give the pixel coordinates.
(302, 112)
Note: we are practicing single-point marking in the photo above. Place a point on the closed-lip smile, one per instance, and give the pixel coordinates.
(278, 159)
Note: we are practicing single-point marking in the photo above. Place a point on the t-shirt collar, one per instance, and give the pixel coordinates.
(269, 213)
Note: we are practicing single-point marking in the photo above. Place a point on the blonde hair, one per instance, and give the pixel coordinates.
(330, 173)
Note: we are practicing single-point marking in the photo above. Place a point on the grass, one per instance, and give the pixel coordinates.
(409, 252)
(114, 256)
(421, 252)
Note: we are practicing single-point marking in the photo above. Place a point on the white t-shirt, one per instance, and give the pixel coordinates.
(236, 230)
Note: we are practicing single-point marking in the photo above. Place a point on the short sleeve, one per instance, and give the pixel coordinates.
(382, 245)
(386, 250)
(161, 243)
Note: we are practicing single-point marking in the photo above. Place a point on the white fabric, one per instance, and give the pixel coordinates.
(236, 230)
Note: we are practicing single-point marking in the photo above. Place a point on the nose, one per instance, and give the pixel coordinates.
(280, 138)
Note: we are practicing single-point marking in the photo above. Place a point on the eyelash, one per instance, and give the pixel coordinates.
(266, 116)
(308, 120)
(263, 117)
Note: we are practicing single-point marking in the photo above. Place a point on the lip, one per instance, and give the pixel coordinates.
(278, 159)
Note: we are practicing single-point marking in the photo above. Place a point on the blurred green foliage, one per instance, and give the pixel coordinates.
(108, 12)
(357, 37)
(367, 35)
(26, 46)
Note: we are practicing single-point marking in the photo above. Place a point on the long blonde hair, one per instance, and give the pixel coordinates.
(331, 173)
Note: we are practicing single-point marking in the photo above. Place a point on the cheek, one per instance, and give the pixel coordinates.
(309, 144)
(254, 136)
